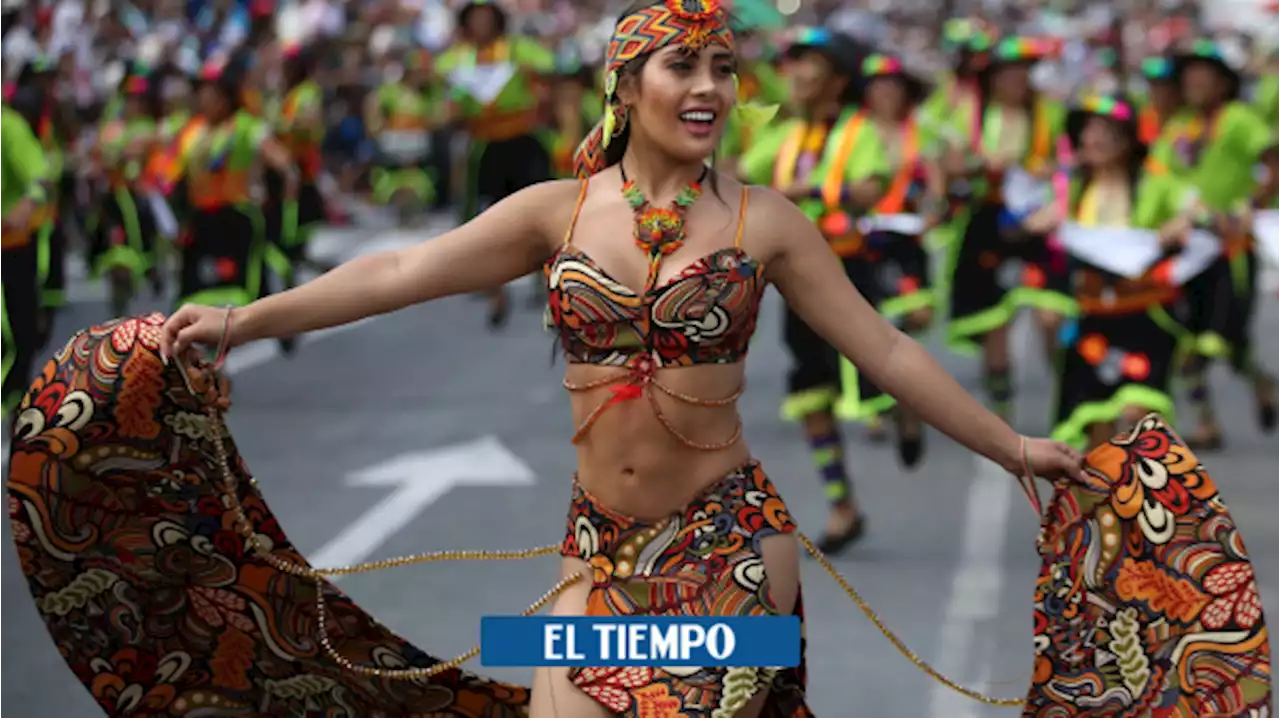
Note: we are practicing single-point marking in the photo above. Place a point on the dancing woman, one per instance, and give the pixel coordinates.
(224, 252)
(887, 146)
(496, 79)
(123, 243)
(1214, 144)
(797, 158)
(1119, 359)
(655, 353)
(24, 195)
(997, 268)
(400, 116)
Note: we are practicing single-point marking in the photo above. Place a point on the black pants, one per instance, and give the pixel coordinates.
(507, 167)
(21, 304)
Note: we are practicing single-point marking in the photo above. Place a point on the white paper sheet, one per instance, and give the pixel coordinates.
(1123, 251)
(407, 145)
(484, 82)
(1201, 250)
(909, 224)
(1130, 253)
(166, 223)
(1266, 233)
(1024, 194)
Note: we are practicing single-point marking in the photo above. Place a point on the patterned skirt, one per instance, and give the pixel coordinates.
(1115, 362)
(122, 525)
(1146, 604)
(702, 561)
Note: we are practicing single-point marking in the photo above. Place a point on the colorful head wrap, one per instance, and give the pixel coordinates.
(694, 24)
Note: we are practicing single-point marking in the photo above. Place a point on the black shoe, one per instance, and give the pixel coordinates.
(832, 544)
(910, 444)
(1212, 442)
(499, 313)
(1265, 390)
(288, 345)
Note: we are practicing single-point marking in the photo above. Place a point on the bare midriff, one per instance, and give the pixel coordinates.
(646, 451)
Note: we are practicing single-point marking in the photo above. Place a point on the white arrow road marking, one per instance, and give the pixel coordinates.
(420, 478)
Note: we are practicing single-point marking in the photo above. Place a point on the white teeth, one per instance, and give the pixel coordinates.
(698, 116)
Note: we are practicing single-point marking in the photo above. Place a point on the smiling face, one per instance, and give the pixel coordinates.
(886, 96)
(1102, 142)
(680, 99)
(1202, 85)
(809, 74)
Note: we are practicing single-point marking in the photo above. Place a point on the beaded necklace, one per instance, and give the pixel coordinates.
(659, 231)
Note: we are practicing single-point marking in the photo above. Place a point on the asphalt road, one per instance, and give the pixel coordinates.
(948, 562)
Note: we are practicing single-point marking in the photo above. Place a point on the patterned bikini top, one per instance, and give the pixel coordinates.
(704, 315)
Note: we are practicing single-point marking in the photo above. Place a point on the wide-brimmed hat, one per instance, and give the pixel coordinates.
(886, 66)
(969, 39)
(1115, 108)
(841, 50)
(1018, 50)
(1209, 52)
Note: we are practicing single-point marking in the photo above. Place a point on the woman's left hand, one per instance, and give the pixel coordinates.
(1049, 459)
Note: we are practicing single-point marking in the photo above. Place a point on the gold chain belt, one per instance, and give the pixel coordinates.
(245, 527)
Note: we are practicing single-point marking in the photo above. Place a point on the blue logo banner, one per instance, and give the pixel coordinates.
(676, 641)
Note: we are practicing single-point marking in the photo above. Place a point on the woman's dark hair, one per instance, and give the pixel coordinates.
(499, 16)
(986, 78)
(299, 68)
(618, 145)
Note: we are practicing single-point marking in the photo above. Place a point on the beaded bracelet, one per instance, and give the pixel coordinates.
(225, 341)
(1028, 478)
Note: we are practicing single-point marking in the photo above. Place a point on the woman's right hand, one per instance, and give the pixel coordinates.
(197, 324)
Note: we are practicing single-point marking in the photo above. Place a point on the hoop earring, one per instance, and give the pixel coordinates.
(621, 114)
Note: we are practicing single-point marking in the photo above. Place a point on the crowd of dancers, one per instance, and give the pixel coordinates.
(1133, 229)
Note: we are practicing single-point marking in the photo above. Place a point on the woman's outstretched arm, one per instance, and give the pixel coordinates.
(506, 242)
(809, 276)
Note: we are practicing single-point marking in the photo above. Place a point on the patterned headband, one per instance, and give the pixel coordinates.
(694, 24)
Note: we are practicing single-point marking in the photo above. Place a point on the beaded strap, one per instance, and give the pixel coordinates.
(245, 526)
(224, 344)
(1028, 479)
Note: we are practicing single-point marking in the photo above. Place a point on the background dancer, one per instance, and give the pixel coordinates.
(799, 157)
(25, 194)
(400, 116)
(1119, 360)
(1214, 144)
(124, 239)
(496, 79)
(886, 146)
(998, 270)
(677, 456)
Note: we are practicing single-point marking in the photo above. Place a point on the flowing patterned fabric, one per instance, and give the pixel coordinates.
(128, 547)
(702, 561)
(1146, 603)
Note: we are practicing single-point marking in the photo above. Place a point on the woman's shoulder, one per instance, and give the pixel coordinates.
(548, 206)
